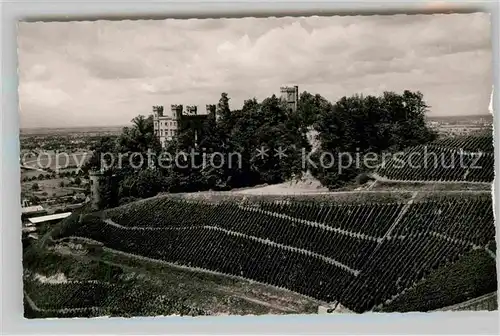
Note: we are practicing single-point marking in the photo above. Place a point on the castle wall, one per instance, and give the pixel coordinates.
(488, 302)
(95, 197)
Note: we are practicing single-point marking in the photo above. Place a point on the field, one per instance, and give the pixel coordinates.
(51, 187)
(357, 250)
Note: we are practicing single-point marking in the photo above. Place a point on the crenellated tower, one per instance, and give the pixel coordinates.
(95, 196)
(176, 111)
(191, 110)
(290, 94)
(157, 111)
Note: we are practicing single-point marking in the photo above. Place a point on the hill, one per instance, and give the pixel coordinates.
(354, 249)
(467, 159)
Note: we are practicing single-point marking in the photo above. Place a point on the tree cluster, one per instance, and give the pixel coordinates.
(359, 126)
(228, 150)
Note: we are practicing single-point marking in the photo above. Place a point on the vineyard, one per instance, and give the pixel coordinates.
(462, 159)
(361, 251)
(115, 286)
(470, 143)
(464, 281)
(95, 298)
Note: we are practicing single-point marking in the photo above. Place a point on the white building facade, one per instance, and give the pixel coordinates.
(166, 125)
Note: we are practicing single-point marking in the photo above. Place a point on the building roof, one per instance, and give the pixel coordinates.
(41, 219)
(34, 208)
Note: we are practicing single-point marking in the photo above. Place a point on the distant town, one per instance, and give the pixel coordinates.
(460, 125)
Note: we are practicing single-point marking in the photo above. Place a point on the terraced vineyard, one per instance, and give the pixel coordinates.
(116, 285)
(464, 281)
(470, 143)
(360, 252)
(467, 159)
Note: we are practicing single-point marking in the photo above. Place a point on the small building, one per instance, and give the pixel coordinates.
(79, 197)
(95, 179)
(32, 211)
(48, 218)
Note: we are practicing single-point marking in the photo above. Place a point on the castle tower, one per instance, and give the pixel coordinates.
(192, 110)
(157, 115)
(157, 111)
(176, 111)
(95, 197)
(291, 96)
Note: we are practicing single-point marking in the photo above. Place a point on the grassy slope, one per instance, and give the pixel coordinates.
(209, 293)
(472, 276)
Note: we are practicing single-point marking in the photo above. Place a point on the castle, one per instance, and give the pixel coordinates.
(166, 126)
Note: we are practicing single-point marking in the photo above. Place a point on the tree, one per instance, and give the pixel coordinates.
(222, 109)
(61, 184)
(267, 126)
(35, 187)
(104, 146)
(310, 107)
(140, 137)
(358, 125)
(78, 181)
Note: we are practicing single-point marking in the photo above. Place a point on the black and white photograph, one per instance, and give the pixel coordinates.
(257, 166)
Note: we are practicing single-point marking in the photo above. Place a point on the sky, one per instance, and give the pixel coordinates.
(104, 73)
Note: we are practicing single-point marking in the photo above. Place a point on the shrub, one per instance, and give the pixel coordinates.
(362, 178)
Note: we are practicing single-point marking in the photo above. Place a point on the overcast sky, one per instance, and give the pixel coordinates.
(106, 72)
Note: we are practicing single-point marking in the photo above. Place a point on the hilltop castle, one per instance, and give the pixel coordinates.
(166, 126)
